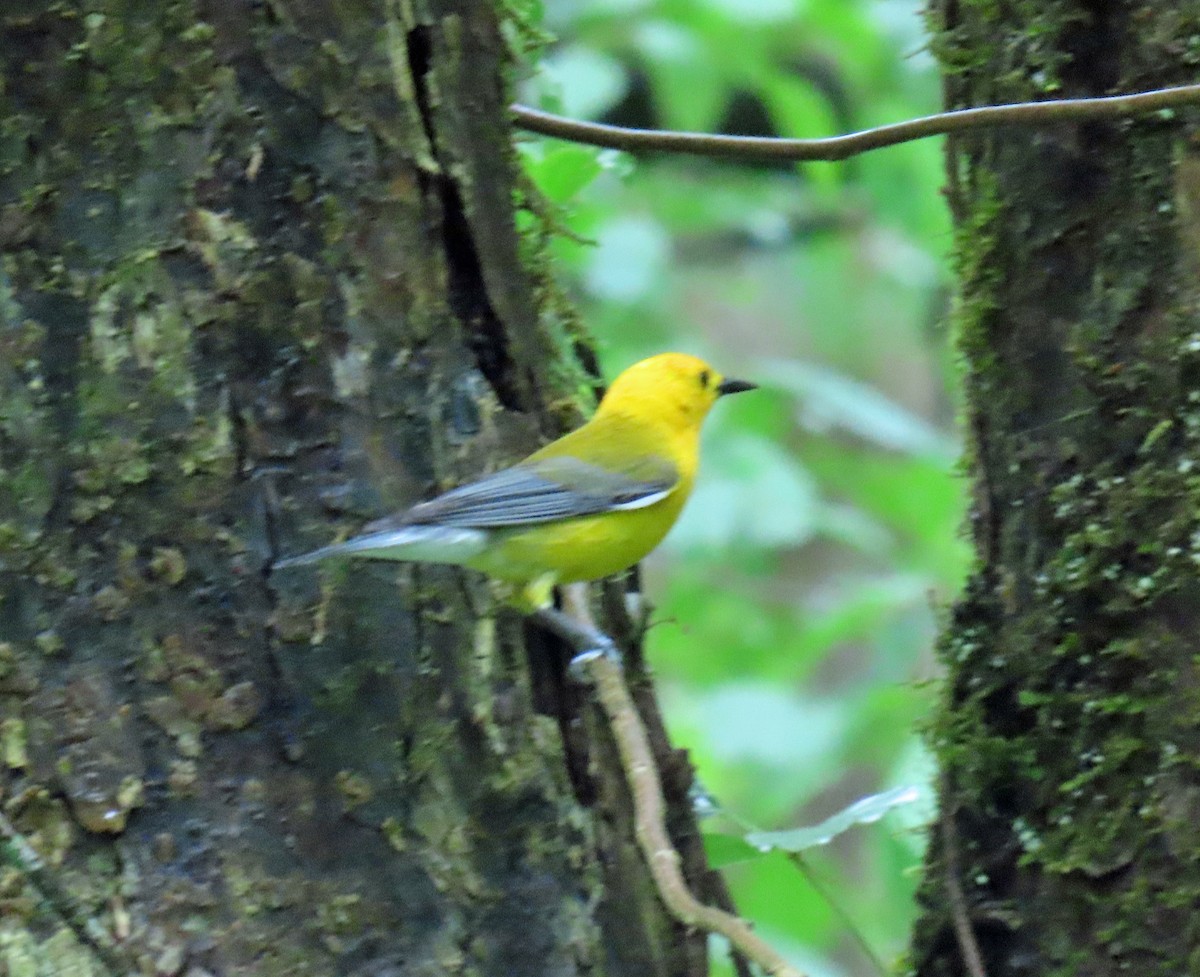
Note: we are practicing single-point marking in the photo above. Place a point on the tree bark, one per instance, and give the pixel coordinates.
(261, 282)
(1070, 732)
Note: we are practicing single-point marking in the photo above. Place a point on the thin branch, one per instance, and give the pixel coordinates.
(836, 148)
(661, 857)
(628, 613)
(968, 946)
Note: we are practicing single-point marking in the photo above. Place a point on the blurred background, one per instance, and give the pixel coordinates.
(796, 602)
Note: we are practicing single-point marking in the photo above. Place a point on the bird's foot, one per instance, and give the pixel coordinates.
(589, 642)
(602, 647)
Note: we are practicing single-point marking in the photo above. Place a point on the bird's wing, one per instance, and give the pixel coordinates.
(541, 490)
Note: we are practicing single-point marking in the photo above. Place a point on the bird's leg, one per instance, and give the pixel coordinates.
(574, 624)
(577, 607)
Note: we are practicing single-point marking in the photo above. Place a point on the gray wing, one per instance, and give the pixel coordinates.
(540, 490)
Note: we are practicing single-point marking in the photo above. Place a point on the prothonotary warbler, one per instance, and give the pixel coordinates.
(586, 506)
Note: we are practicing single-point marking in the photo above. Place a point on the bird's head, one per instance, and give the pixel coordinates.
(677, 388)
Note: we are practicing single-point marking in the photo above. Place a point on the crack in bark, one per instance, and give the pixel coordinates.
(486, 336)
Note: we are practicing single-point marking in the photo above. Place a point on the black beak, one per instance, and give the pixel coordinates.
(735, 386)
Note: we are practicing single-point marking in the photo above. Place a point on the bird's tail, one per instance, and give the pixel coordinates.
(415, 544)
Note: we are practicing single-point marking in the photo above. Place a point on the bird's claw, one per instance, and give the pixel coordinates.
(602, 646)
(588, 642)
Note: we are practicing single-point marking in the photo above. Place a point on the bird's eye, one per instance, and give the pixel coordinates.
(704, 378)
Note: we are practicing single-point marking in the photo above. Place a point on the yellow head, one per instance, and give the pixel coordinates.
(675, 388)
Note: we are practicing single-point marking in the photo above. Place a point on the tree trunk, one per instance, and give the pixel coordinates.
(261, 282)
(1071, 728)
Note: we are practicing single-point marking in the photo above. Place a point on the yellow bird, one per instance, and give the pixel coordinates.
(586, 506)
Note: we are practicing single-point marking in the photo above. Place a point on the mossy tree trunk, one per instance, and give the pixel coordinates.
(1070, 734)
(261, 282)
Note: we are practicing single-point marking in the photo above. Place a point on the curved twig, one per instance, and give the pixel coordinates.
(960, 917)
(648, 805)
(836, 148)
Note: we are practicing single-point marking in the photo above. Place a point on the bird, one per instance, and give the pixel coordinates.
(586, 506)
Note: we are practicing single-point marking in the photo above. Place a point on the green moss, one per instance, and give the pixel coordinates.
(978, 259)
(14, 748)
(341, 915)
(234, 322)
(26, 955)
(354, 787)
(1070, 690)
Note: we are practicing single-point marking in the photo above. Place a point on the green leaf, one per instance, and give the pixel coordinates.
(864, 811)
(725, 849)
(563, 171)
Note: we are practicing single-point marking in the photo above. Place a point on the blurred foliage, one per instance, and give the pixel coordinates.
(795, 601)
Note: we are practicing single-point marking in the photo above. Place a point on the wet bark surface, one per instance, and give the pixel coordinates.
(1069, 732)
(260, 282)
